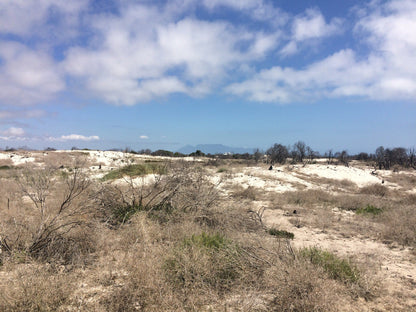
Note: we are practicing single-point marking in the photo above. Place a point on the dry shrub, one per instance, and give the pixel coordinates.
(33, 288)
(399, 224)
(6, 164)
(301, 286)
(245, 193)
(352, 202)
(183, 190)
(307, 197)
(406, 180)
(375, 189)
(53, 209)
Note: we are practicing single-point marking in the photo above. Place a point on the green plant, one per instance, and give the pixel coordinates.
(204, 260)
(5, 167)
(369, 209)
(335, 267)
(281, 233)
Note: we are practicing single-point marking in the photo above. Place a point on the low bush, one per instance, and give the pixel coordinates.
(369, 210)
(281, 233)
(335, 267)
(375, 189)
(204, 261)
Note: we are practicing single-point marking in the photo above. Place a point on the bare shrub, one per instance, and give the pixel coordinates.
(54, 207)
(184, 189)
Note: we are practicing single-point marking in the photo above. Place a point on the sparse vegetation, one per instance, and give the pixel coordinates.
(136, 170)
(183, 236)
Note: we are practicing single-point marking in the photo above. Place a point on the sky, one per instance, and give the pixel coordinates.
(140, 74)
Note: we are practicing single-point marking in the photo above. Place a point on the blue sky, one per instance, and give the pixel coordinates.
(245, 73)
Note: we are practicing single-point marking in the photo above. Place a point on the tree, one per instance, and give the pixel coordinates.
(299, 149)
(277, 154)
(380, 157)
(411, 154)
(311, 154)
(343, 157)
(257, 155)
(330, 156)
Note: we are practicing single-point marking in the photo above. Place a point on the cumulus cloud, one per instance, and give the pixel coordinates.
(257, 9)
(384, 74)
(144, 137)
(27, 76)
(75, 137)
(35, 18)
(12, 133)
(145, 54)
(308, 26)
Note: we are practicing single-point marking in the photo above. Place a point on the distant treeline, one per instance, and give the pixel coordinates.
(383, 158)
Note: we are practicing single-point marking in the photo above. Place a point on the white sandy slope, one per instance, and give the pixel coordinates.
(291, 178)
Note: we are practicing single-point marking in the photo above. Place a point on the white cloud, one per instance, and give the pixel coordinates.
(310, 26)
(27, 114)
(144, 137)
(257, 9)
(33, 17)
(27, 76)
(144, 54)
(12, 133)
(75, 137)
(386, 73)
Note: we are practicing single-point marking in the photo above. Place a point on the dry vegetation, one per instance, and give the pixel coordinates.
(182, 236)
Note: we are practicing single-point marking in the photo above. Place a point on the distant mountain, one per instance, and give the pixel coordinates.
(214, 149)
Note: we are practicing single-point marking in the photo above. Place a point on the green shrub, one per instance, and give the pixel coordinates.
(206, 240)
(204, 260)
(136, 170)
(5, 167)
(281, 233)
(336, 268)
(369, 209)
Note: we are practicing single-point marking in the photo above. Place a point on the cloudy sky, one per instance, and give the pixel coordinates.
(245, 73)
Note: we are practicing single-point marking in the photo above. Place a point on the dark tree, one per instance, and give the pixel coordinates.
(277, 154)
(299, 149)
(343, 157)
(257, 155)
(380, 157)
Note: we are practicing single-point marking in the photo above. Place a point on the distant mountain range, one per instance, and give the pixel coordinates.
(214, 149)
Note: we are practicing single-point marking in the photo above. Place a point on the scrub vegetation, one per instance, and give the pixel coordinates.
(187, 236)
